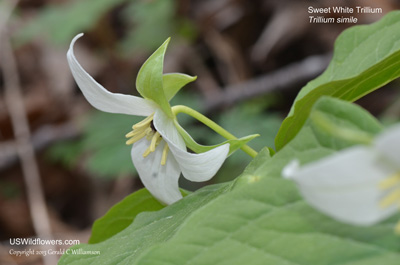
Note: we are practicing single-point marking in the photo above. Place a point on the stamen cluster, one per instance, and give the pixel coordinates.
(145, 128)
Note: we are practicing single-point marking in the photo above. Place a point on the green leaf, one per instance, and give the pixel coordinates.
(314, 141)
(263, 220)
(148, 229)
(365, 58)
(122, 215)
(267, 223)
(149, 82)
(260, 220)
(173, 82)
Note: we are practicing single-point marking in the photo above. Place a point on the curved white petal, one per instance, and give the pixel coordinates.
(194, 167)
(166, 127)
(200, 167)
(388, 143)
(102, 99)
(344, 185)
(161, 181)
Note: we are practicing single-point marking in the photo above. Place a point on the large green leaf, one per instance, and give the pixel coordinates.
(263, 220)
(260, 220)
(122, 215)
(365, 58)
(148, 229)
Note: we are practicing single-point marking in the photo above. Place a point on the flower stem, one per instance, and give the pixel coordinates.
(214, 126)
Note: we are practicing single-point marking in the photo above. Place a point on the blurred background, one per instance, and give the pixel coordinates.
(63, 164)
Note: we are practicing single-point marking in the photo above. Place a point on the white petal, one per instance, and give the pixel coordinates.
(161, 181)
(102, 99)
(345, 185)
(165, 126)
(388, 143)
(194, 167)
(200, 167)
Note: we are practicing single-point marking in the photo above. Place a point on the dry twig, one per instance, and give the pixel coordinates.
(275, 81)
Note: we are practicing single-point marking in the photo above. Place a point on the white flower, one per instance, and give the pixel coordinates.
(153, 139)
(359, 185)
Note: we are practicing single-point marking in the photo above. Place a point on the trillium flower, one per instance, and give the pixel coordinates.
(159, 151)
(359, 185)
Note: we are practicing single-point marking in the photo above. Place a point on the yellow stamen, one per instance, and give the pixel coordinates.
(390, 199)
(390, 182)
(154, 141)
(135, 132)
(144, 129)
(144, 122)
(153, 144)
(149, 136)
(130, 134)
(147, 152)
(158, 140)
(164, 155)
(138, 136)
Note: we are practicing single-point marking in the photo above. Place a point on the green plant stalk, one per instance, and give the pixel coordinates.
(214, 126)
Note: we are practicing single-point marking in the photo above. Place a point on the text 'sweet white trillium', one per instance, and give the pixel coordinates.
(159, 151)
(359, 185)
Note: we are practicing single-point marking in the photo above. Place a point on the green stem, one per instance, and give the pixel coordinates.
(215, 127)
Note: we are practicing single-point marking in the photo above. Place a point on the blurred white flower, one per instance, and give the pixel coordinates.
(359, 185)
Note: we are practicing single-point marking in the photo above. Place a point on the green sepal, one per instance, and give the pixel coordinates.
(234, 144)
(149, 82)
(173, 82)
